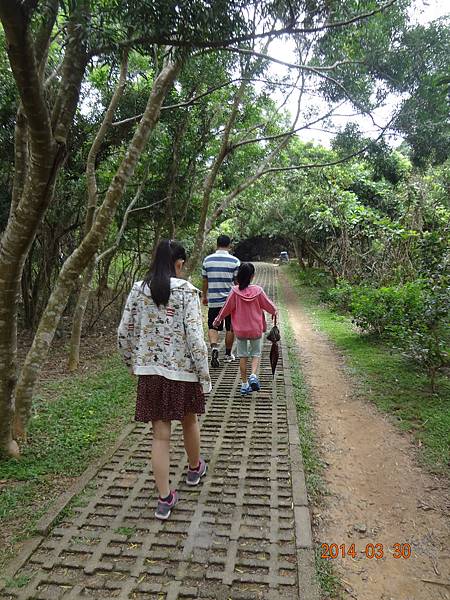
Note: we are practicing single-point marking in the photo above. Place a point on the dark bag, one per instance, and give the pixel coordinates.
(274, 334)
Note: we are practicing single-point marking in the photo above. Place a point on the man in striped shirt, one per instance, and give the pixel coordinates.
(219, 273)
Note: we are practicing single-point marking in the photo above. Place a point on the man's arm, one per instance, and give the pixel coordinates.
(205, 291)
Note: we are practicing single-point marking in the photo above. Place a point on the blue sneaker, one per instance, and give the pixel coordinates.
(254, 383)
(245, 389)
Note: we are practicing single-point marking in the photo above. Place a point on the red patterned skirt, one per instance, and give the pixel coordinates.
(161, 399)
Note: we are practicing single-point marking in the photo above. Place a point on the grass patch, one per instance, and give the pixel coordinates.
(388, 379)
(66, 433)
(330, 583)
(128, 531)
(19, 581)
(73, 422)
(311, 460)
(313, 466)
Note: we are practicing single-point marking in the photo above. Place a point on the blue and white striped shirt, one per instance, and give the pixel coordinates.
(220, 269)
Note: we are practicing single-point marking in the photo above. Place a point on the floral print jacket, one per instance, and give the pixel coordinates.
(168, 340)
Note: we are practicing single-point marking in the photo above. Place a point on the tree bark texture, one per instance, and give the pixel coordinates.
(35, 180)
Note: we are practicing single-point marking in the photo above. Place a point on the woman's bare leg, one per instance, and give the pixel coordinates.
(191, 437)
(161, 456)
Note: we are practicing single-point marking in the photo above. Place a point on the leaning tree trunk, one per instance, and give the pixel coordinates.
(36, 171)
(91, 180)
(225, 203)
(87, 249)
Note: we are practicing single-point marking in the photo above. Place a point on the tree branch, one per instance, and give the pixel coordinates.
(290, 132)
(125, 218)
(74, 64)
(346, 93)
(91, 179)
(22, 58)
(291, 29)
(148, 206)
(183, 104)
(333, 162)
(247, 52)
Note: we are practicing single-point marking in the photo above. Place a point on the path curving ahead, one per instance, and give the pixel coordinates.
(243, 534)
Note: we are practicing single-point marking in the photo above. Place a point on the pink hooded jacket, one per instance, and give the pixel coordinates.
(246, 308)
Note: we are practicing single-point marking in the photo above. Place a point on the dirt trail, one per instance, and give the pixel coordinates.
(378, 493)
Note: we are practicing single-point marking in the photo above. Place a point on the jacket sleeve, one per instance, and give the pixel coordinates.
(267, 304)
(193, 326)
(227, 308)
(127, 330)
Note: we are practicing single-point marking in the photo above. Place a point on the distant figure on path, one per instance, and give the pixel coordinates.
(246, 305)
(161, 340)
(219, 273)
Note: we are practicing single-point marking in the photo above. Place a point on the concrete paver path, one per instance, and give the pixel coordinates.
(244, 533)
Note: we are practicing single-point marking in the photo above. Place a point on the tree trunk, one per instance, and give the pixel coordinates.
(156, 241)
(298, 253)
(91, 180)
(211, 221)
(36, 180)
(80, 258)
(172, 176)
(324, 263)
(210, 180)
(28, 308)
(78, 317)
(206, 224)
(104, 274)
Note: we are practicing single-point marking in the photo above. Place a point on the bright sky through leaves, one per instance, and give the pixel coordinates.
(422, 12)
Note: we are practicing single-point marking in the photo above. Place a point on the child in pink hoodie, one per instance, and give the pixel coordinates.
(246, 305)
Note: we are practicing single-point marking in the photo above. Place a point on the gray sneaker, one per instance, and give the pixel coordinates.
(193, 477)
(164, 509)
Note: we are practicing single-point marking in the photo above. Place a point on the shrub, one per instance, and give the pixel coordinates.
(413, 317)
(426, 337)
(318, 278)
(382, 310)
(340, 296)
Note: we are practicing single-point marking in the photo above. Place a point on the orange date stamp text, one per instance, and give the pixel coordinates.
(370, 551)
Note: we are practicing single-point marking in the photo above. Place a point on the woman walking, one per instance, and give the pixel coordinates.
(246, 305)
(161, 340)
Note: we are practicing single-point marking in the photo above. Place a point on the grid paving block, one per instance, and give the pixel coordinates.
(303, 527)
(243, 534)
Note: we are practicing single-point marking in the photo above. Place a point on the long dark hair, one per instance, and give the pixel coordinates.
(244, 275)
(162, 269)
